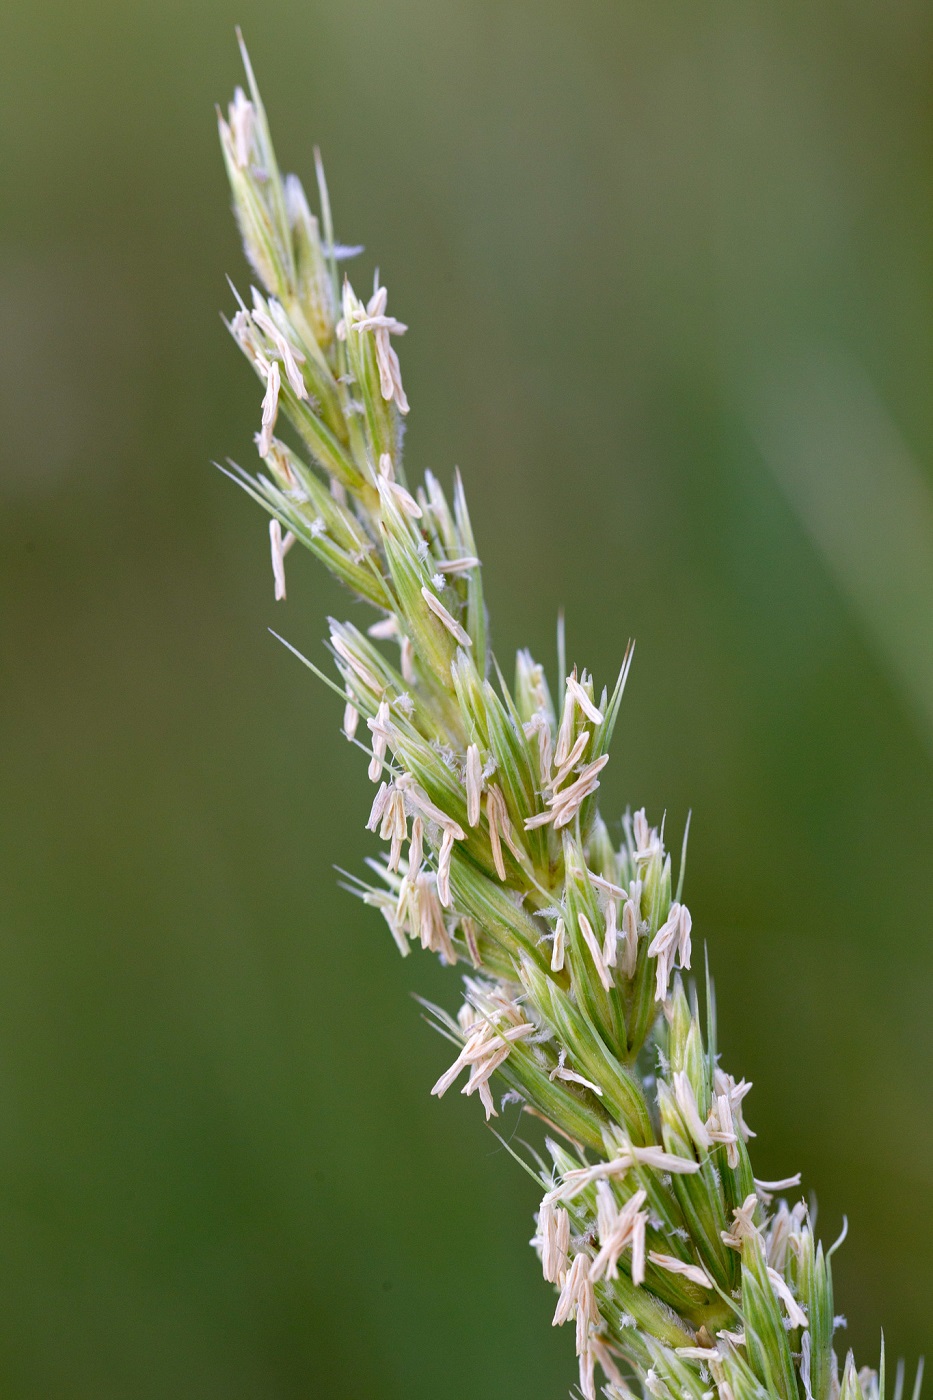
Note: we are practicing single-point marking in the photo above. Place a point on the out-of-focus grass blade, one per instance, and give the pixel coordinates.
(866, 504)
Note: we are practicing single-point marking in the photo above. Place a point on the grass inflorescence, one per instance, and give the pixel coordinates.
(684, 1275)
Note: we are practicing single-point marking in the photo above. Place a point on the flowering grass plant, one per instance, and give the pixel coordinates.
(685, 1276)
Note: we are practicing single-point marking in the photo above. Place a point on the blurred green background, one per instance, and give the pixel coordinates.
(668, 269)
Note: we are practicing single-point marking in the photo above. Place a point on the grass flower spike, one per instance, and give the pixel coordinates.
(683, 1276)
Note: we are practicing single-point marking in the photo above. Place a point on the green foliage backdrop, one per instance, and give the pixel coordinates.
(622, 235)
